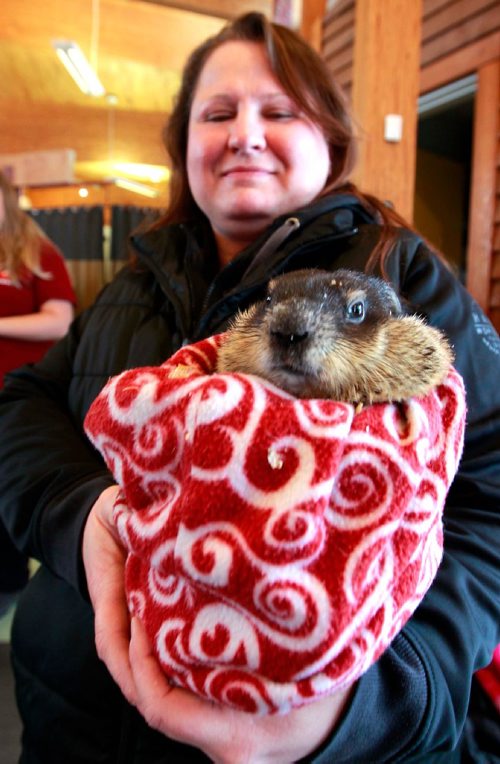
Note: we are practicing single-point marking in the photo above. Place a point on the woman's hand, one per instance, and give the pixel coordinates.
(224, 734)
(104, 561)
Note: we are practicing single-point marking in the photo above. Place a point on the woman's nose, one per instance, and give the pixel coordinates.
(247, 132)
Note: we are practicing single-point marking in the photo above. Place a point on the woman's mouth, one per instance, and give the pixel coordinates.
(245, 170)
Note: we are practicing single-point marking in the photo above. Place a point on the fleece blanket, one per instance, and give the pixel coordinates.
(489, 678)
(275, 545)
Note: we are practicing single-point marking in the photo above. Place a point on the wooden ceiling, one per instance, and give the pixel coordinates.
(138, 48)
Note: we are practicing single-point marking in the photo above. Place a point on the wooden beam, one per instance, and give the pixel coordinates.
(225, 9)
(483, 183)
(137, 136)
(311, 27)
(385, 81)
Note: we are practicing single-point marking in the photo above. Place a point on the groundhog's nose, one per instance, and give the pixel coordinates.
(286, 339)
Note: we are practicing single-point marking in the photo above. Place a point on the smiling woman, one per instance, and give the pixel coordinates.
(253, 153)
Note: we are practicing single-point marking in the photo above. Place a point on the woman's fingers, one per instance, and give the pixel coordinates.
(104, 561)
(226, 735)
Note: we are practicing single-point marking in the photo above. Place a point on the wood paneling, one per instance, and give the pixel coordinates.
(156, 35)
(459, 24)
(137, 136)
(495, 266)
(338, 42)
(495, 270)
(460, 63)
(141, 50)
(481, 243)
(385, 81)
(469, 29)
(495, 296)
(226, 9)
(439, 18)
(312, 22)
(459, 37)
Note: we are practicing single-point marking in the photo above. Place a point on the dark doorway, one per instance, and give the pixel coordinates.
(443, 171)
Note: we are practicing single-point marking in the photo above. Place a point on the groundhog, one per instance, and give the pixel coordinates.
(341, 335)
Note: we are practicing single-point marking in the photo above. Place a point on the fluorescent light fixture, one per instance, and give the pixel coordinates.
(147, 172)
(106, 169)
(73, 58)
(138, 188)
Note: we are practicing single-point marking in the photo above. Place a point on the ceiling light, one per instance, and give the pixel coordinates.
(138, 188)
(147, 172)
(77, 65)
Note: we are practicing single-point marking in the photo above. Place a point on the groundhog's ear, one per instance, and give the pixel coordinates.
(244, 317)
(393, 301)
(396, 307)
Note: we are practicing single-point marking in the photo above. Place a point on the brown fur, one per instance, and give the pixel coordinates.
(309, 338)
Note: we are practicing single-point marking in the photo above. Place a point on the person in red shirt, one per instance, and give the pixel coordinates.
(36, 307)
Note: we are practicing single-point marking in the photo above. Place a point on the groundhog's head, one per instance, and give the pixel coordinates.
(330, 335)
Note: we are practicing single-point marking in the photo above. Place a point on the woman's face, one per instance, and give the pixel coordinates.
(252, 154)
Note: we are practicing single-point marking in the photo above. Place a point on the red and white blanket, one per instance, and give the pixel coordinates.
(276, 545)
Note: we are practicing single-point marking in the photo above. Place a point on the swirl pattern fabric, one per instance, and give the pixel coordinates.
(275, 545)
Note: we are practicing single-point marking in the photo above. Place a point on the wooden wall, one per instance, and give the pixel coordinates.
(462, 37)
(338, 41)
(459, 37)
(448, 26)
(386, 82)
(495, 265)
(495, 273)
(495, 296)
(141, 50)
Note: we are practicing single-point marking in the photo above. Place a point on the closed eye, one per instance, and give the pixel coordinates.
(279, 115)
(218, 116)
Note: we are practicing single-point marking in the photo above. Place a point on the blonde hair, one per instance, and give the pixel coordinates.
(20, 237)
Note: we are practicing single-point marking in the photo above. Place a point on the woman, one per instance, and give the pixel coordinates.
(37, 299)
(36, 308)
(261, 146)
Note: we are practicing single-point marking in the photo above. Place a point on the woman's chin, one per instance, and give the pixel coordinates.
(238, 220)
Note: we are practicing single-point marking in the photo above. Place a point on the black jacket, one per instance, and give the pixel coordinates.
(413, 701)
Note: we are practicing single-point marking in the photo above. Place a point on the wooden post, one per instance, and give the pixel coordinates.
(483, 184)
(386, 70)
(311, 26)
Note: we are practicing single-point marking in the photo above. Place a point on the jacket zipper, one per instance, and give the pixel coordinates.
(274, 241)
(301, 250)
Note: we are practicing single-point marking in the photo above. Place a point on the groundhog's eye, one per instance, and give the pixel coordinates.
(268, 299)
(356, 311)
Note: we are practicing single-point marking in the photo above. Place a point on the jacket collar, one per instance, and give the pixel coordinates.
(172, 252)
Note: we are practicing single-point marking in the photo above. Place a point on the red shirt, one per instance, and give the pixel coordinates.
(28, 297)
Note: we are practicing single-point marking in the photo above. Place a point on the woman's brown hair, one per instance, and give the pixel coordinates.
(20, 236)
(306, 78)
